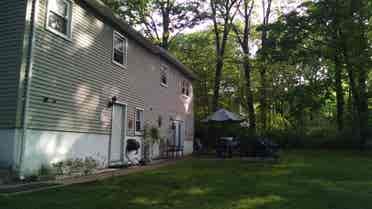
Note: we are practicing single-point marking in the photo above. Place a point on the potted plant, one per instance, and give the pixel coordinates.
(151, 136)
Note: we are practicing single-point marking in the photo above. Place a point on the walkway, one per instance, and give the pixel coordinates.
(104, 174)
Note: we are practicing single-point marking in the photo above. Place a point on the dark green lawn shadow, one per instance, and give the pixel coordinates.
(299, 180)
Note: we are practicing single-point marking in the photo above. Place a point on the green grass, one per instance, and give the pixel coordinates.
(302, 180)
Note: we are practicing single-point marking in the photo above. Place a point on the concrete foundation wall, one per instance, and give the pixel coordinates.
(7, 147)
(48, 147)
(188, 147)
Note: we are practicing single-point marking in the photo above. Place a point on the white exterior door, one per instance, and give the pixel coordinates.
(117, 139)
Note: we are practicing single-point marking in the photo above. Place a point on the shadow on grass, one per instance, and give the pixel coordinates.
(300, 180)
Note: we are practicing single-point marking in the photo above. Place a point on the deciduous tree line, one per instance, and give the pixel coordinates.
(302, 71)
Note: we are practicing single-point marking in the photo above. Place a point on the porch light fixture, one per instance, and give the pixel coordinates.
(112, 101)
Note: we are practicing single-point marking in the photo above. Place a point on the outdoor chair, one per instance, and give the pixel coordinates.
(224, 148)
(174, 151)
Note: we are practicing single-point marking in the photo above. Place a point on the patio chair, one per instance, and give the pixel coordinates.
(224, 148)
(174, 151)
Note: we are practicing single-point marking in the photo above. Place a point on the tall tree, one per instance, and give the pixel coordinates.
(160, 20)
(357, 52)
(266, 11)
(223, 13)
(243, 36)
(336, 32)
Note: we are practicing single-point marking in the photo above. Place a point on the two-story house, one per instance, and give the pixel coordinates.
(76, 82)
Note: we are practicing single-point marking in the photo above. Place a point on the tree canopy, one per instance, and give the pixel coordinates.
(303, 73)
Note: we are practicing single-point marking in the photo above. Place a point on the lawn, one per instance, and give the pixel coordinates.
(302, 180)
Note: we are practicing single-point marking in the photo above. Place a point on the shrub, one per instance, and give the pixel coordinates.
(316, 138)
(78, 166)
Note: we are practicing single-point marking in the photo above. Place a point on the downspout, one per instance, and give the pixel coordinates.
(32, 10)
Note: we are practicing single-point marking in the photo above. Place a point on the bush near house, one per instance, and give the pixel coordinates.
(78, 166)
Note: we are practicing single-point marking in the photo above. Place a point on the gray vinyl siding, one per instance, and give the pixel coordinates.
(79, 74)
(12, 24)
(167, 102)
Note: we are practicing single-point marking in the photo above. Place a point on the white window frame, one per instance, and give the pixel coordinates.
(139, 132)
(69, 23)
(125, 58)
(188, 88)
(164, 71)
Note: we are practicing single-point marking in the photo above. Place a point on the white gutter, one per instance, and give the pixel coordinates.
(32, 12)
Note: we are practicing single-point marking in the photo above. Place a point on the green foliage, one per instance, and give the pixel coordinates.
(78, 166)
(154, 133)
(196, 50)
(322, 40)
(317, 60)
(45, 170)
(160, 20)
(151, 134)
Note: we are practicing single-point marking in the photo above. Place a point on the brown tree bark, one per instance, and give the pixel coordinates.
(340, 97)
(249, 97)
(363, 108)
(165, 10)
(263, 103)
(217, 82)
(263, 67)
(357, 59)
(339, 93)
(243, 40)
(226, 11)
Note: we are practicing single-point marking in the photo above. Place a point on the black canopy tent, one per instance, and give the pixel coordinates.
(222, 117)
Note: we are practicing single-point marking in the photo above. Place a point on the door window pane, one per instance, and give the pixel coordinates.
(58, 23)
(139, 120)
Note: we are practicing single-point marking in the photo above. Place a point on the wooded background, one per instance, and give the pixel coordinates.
(298, 71)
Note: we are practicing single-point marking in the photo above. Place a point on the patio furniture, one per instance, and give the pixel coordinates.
(174, 151)
(259, 147)
(224, 145)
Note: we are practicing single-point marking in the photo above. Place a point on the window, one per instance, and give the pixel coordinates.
(59, 17)
(139, 121)
(164, 77)
(119, 49)
(185, 88)
(160, 121)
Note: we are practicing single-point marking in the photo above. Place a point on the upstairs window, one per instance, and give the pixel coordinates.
(59, 17)
(164, 77)
(186, 88)
(119, 49)
(139, 121)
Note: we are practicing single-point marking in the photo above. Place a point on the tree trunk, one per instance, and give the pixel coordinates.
(216, 90)
(339, 94)
(249, 95)
(264, 37)
(355, 99)
(166, 33)
(263, 104)
(363, 108)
